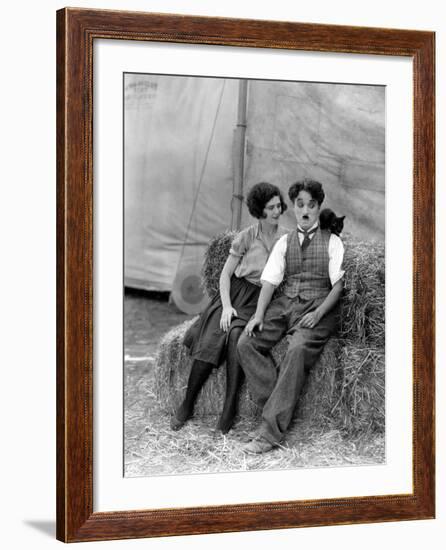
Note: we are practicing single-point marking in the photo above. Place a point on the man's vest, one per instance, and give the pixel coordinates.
(306, 274)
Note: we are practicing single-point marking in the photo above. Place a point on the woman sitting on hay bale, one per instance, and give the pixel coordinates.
(213, 338)
(310, 260)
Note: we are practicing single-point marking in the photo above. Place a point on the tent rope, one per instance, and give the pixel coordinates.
(203, 168)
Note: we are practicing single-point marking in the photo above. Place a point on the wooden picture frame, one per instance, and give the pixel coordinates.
(76, 31)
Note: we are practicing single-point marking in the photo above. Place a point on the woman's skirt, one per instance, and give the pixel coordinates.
(205, 339)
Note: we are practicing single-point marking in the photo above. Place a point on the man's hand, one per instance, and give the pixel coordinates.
(225, 320)
(253, 325)
(310, 320)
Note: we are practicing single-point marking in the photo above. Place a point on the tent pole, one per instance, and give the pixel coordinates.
(239, 156)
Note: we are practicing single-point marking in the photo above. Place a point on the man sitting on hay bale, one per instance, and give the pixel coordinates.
(310, 260)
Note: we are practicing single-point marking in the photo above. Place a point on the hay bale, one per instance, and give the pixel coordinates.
(363, 302)
(172, 367)
(214, 260)
(360, 407)
(171, 370)
(344, 390)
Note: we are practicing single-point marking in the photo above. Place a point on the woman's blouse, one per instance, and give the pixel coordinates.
(250, 246)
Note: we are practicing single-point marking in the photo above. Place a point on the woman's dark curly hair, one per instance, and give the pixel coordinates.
(311, 186)
(258, 197)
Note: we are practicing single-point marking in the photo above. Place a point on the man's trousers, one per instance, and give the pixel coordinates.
(277, 390)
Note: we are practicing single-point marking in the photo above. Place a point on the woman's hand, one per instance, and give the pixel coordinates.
(225, 320)
(310, 320)
(253, 325)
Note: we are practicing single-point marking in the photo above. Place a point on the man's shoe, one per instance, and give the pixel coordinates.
(258, 446)
(254, 434)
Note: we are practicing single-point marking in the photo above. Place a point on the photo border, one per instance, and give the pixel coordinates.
(76, 31)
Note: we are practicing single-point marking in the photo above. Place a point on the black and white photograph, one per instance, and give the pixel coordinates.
(224, 246)
(254, 272)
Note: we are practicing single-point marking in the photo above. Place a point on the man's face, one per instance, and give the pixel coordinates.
(306, 210)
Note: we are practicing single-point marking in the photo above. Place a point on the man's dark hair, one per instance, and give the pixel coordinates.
(259, 195)
(311, 186)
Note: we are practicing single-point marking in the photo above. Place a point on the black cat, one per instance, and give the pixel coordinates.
(329, 220)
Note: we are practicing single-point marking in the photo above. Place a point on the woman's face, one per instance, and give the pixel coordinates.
(272, 211)
(306, 210)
